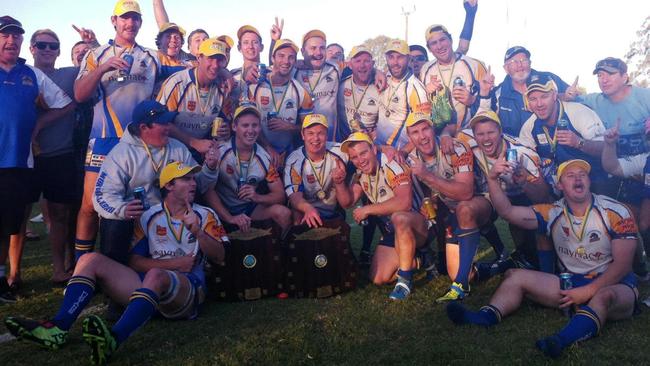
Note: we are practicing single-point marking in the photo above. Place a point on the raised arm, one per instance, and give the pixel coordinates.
(471, 6)
(160, 13)
(521, 216)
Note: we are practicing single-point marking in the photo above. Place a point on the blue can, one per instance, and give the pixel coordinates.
(562, 124)
(139, 194)
(566, 284)
(262, 72)
(271, 115)
(511, 156)
(458, 81)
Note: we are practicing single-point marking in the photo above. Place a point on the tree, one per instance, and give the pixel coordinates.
(377, 47)
(638, 57)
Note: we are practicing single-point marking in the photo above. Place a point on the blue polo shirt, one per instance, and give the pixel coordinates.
(510, 106)
(22, 90)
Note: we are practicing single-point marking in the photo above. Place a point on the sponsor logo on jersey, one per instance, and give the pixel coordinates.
(565, 230)
(305, 78)
(191, 105)
(161, 230)
(581, 254)
(265, 100)
(625, 226)
(27, 81)
(311, 179)
(542, 139)
(365, 186)
(347, 92)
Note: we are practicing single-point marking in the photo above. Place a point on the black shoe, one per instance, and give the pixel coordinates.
(6, 295)
(551, 346)
(364, 259)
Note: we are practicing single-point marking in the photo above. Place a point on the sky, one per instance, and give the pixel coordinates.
(566, 37)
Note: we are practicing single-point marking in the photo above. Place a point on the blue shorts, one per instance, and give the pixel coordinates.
(580, 280)
(388, 232)
(98, 148)
(246, 209)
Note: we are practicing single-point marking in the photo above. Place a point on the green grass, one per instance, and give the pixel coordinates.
(357, 328)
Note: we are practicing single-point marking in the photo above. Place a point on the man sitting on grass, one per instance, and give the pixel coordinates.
(164, 275)
(594, 238)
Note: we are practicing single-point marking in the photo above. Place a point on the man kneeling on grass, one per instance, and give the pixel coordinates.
(165, 274)
(594, 238)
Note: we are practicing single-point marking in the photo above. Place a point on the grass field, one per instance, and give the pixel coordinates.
(358, 328)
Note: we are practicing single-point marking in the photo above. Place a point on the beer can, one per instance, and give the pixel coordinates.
(429, 209)
(271, 115)
(262, 71)
(562, 124)
(458, 81)
(566, 284)
(511, 156)
(216, 124)
(125, 72)
(139, 194)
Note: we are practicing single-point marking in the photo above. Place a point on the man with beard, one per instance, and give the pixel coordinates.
(320, 78)
(282, 101)
(358, 98)
(404, 94)
(508, 97)
(392, 202)
(594, 239)
(313, 175)
(245, 166)
(196, 96)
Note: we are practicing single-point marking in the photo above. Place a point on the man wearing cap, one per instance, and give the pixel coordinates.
(169, 40)
(282, 101)
(392, 201)
(507, 99)
(320, 78)
(249, 186)
(524, 187)
(404, 94)
(249, 44)
(194, 39)
(29, 102)
(314, 173)
(452, 76)
(594, 239)
(561, 131)
(358, 97)
(116, 76)
(196, 96)
(135, 162)
(165, 272)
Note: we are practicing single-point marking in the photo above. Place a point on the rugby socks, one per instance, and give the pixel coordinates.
(584, 325)
(82, 247)
(368, 234)
(142, 305)
(491, 234)
(407, 276)
(78, 293)
(468, 239)
(486, 316)
(546, 260)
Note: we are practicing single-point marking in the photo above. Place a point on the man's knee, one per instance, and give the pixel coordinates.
(400, 220)
(604, 297)
(280, 213)
(465, 213)
(90, 261)
(156, 279)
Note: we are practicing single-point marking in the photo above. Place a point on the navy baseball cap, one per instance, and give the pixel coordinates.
(150, 111)
(515, 50)
(540, 82)
(8, 24)
(611, 65)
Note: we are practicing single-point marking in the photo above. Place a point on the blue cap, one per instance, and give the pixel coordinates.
(515, 50)
(540, 82)
(150, 111)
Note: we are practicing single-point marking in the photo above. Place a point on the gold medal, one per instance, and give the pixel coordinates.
(321, 195)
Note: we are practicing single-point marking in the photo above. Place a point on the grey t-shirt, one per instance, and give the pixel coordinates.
(56, 139)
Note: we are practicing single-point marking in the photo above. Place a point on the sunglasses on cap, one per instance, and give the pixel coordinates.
(156, 111)
(53, 46)
(609, 63)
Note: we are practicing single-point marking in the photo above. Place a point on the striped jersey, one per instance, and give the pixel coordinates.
(322, 85)
(358, 106)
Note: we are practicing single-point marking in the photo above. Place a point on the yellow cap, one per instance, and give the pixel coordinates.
(246, 107)
(246, 29)
(314, 119)
(314, 33)
(175, 170)
(355, 137)
(357, 50)
(415, 117)
(126, 6)
(282, 43)
(399, 46)
(433, 29)
(575, 162)
(227, 40)
(167, 26)
(485, 116)
(213, 46)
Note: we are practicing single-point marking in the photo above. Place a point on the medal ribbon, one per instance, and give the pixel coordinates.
(284, 94)
(313, 89)
(354, 102)
(553, 141)
(177, 235)
(320, 178)
(211, 93)
(156, 167)
(376, 190)
(583, 225)
(250, 161)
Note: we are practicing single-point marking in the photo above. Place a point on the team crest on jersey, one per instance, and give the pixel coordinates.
(265, 100)
(215, 110)
(395, 99)
(541, 137)
(230, 169)
(305, 78)
(161, 230)
(289, 105)
(625, 226)
(143, 64)
(365, 186)
(191, 105)
(372, 102)
(565, 230)
(347, 92)
(382, 192)
(594, 236)
(328, 79)
(27, 81)
(191, 239)
(311, 179)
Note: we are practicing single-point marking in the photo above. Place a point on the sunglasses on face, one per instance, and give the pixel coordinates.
(43, 45)
(420, 58)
